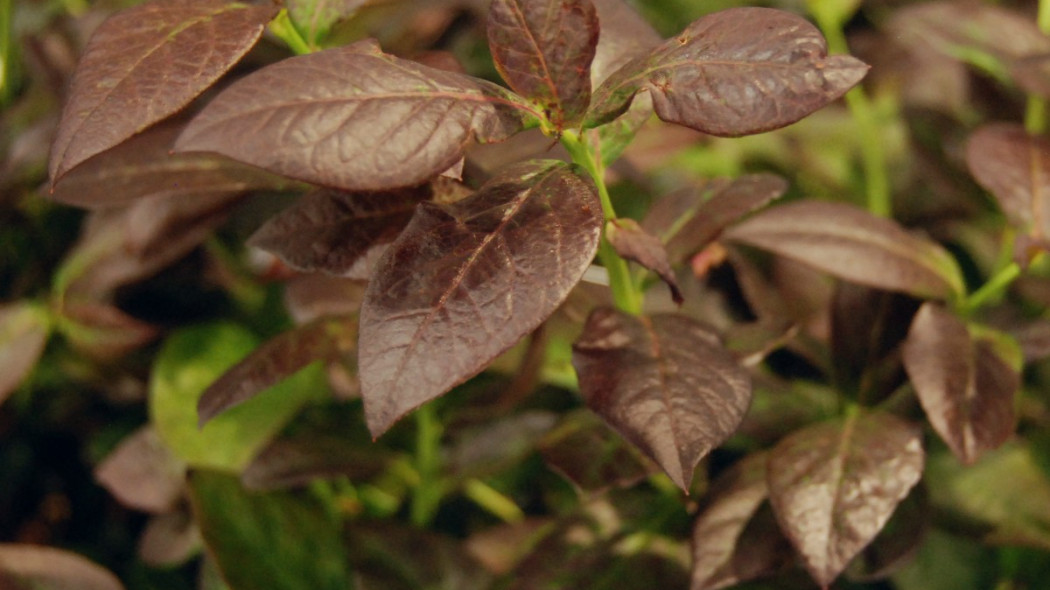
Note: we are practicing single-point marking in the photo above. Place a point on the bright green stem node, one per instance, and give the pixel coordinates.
(285, 30)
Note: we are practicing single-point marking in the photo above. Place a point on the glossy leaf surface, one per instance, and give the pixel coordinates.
(1015, 167)
(633, 243)
(835, 484)
(544, 51)
(966, 389)
(146, 63)
(270, 540)
(353, 118)
(338, 233)
(854, 245)
(46, 568)
(735, 72)
(24, 329)
(663, 382)
(465, 281)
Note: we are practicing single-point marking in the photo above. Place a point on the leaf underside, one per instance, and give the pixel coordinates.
(663, 382)
(463, 282)
(633, 243)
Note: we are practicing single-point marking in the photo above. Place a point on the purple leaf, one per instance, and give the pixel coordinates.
(735, 72)
(854, 245)
(835, 484)
(663, 382)
(625, 35)
(544, 51)
(633, 243)
(1015, 167)
(143, 474)
(46, 568)
(24, 328)
(966, 388)
(146, 63)
(465, 281)
(353, 118)
(339, 233)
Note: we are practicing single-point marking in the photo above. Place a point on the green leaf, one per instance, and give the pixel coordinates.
(191, 360)
(24, 328)
(276, 541)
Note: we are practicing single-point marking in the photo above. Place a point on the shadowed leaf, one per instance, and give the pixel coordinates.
(169, 539)
(1015, 167)
(1033, 74)
(353, 118)
(834, 485)
(854, 245)
(663, 382)
(46, 568)
(338, 233)
(102, 331)
(24, 329)
(735, 72)
(592, 456)
(633, 243)
(295, 462)
(146, 63)
(966, 389)
(625, 35)
(314, 18)
(544, 51)
(463, 282)
(142, 473)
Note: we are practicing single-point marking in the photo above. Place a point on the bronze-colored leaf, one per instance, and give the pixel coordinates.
(24, 328)
(102, 331)
(625, 35)
(312, 296)
(463, 282)
(633, 243)
(295, 462)
(664, 382)
(1015, 167)
(47, 568)
(142, 473)
(146, 63)
(835, 484)
(966, 388)
(735, 72)
(353, 118)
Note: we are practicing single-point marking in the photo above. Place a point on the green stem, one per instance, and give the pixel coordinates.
(285, 29)
(8, 62)
(1035, 111)
(427, 495)
(992, 289)
(625, 294)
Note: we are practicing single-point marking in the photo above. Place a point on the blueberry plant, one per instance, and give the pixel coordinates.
(705, 390)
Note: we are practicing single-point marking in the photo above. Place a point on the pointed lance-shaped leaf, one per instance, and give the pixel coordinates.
(1015, 167)
(664, 382)
(966, 389)
(544, 51)
(463, 282)
(146, 63)
(853, 245)
(339, 233)
(633, 243)
(24, 329)
(353, 118)
(835, 484)
(735, 72)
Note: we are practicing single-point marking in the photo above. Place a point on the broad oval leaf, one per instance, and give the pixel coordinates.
(463, 282)
(966, 389)
(544, 51)
(633, 243)
(146, 63)
(735, 72)
(336, 232)
(854, 245)
(47, 568)
(834, 485)
(24, 329)
(142, 473)
(353, 118)
(664, 382)
(1015, 167)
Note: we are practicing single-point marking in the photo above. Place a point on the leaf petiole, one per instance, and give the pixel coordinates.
(283, 27)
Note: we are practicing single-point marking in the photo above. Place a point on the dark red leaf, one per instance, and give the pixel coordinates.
(625, 35)
(143, 167)
(24, 328)
(592, 456)
(146, 63)
(1015, 167)
(295, 462)
(966, 388)
(102, 331)
(544, 51)
(835, 484)
(275, 361)
(338, 233)
(353, 118)
(663, 382)
(854, 245)
(46, 568)
(142, 473)
(633, 243)
(465, 281)
(734, 72)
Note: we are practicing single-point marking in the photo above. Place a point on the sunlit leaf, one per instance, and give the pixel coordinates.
(353, 118)
(142, 473)
(544, 51)
(312, 296)
(465, 281)
(102, 331)
(633, 243)
(24, 328)
(966, 389)
(854, 245)
(1015, 167)
(274, 540)
(339, 233)
(47, 568)
(591, 455)
(663, 382)
(314, 18)
(735, 72)
(625, 35)
(835, 484)
(146, 63)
